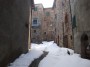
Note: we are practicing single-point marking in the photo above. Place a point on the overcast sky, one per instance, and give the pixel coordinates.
(46, 3)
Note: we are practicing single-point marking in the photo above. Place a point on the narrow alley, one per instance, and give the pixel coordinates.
(45, 33)
(54, 57)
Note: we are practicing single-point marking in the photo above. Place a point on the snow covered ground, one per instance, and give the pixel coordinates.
(57, 57)
(25, 59)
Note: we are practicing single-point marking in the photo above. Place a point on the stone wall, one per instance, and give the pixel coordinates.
(63, 23)
(38, 13)
(82, 13)
(14, 20)
(67, 23)
(48, 24)
(58, 22)
(46, 29)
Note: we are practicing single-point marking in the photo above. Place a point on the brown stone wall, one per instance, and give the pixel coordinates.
(58, 22)
(37, 37)
(48, 24)
(67, 22)
(63, 22)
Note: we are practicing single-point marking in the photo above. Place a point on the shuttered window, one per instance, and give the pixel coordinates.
(74, 21)
(35, 9)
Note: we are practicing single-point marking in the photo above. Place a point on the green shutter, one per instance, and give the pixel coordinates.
(74, 21)
(35, 9)
(47, 14)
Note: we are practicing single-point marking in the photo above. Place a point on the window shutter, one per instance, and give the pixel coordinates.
(74, 21)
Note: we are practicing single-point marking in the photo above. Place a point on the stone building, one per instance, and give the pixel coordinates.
(67, 35)
(81, 26)
(48, 26)
(42, 24)
(37, 20)
(58, 10)
(14, 29)
(63, 23)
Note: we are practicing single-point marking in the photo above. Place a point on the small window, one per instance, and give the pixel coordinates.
(74, 21)
(35, 9)
(55, 16)
(55, 29)
(47, 14)
(45, 33)
(35, 21)
(66, 18)
(34, 31)
(62, 4)
(71, 37)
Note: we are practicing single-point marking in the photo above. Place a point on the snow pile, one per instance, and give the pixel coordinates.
(64, 61)
(52, 48)
(25, 59)
(40, 47)
(58, 57)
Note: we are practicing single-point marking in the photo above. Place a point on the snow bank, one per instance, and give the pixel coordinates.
(38, 46)
(25, 59)
(64, 61)
(58, 57)
(52, 48)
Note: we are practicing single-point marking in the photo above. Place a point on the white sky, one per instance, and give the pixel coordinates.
(46, 3)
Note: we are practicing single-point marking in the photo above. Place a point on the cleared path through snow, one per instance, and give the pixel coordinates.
(36, 62)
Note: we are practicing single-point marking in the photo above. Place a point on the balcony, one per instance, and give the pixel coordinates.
(36, 25)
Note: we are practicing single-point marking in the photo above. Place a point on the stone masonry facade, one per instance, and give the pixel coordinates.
(37, 20)
(63, 30)
(55, 23)
(44, 28)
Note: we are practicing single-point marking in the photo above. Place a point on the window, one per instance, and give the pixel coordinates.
(62, 4)
(47, 14)
(35, 21)
(74, 21)
(71, 37)
(34, 31)
(35, 9)
(66, 18)
(55, 16)
(55, 29)
(44, 33)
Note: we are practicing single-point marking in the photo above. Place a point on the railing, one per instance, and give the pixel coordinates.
(36, 26)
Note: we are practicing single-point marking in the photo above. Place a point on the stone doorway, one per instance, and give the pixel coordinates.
(85, 48)
(65, 41)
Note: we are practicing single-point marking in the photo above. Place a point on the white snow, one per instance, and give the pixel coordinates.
(25, 59)
(57, 57)
(64, 61)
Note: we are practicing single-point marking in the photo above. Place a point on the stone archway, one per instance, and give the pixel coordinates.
(84, 44)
